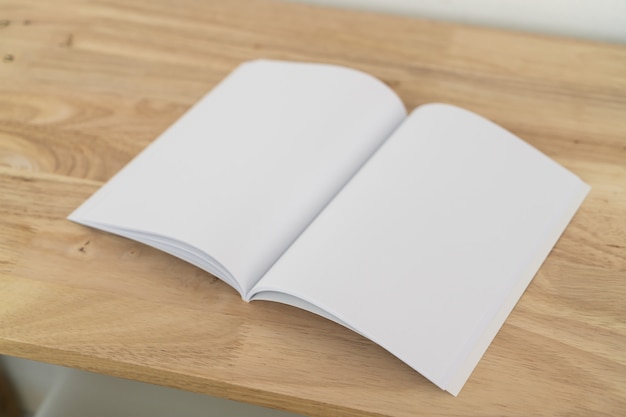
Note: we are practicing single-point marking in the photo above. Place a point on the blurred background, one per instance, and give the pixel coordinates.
(601, 20)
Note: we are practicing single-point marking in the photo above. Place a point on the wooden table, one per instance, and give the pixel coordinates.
(85, 85)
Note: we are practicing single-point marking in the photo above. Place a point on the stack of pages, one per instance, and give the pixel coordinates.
(309, 185)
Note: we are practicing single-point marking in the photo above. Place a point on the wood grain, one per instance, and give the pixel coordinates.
(86, 84)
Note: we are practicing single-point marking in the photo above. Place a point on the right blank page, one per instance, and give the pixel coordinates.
(428, 248)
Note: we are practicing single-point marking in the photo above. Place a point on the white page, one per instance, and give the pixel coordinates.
(427, 249)
(231, 184)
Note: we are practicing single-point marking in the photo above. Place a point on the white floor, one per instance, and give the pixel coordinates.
(52, 391)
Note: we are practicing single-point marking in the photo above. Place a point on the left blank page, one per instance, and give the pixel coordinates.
(232, 183)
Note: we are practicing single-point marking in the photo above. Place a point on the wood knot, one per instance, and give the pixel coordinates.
(18, 161)
(68, 42)
(83, 248)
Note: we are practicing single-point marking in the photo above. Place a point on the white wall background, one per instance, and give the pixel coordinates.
(602, 20)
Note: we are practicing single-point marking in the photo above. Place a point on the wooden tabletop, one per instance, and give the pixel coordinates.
(85, 85)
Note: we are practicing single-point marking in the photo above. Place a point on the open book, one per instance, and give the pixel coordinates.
(308, 184)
